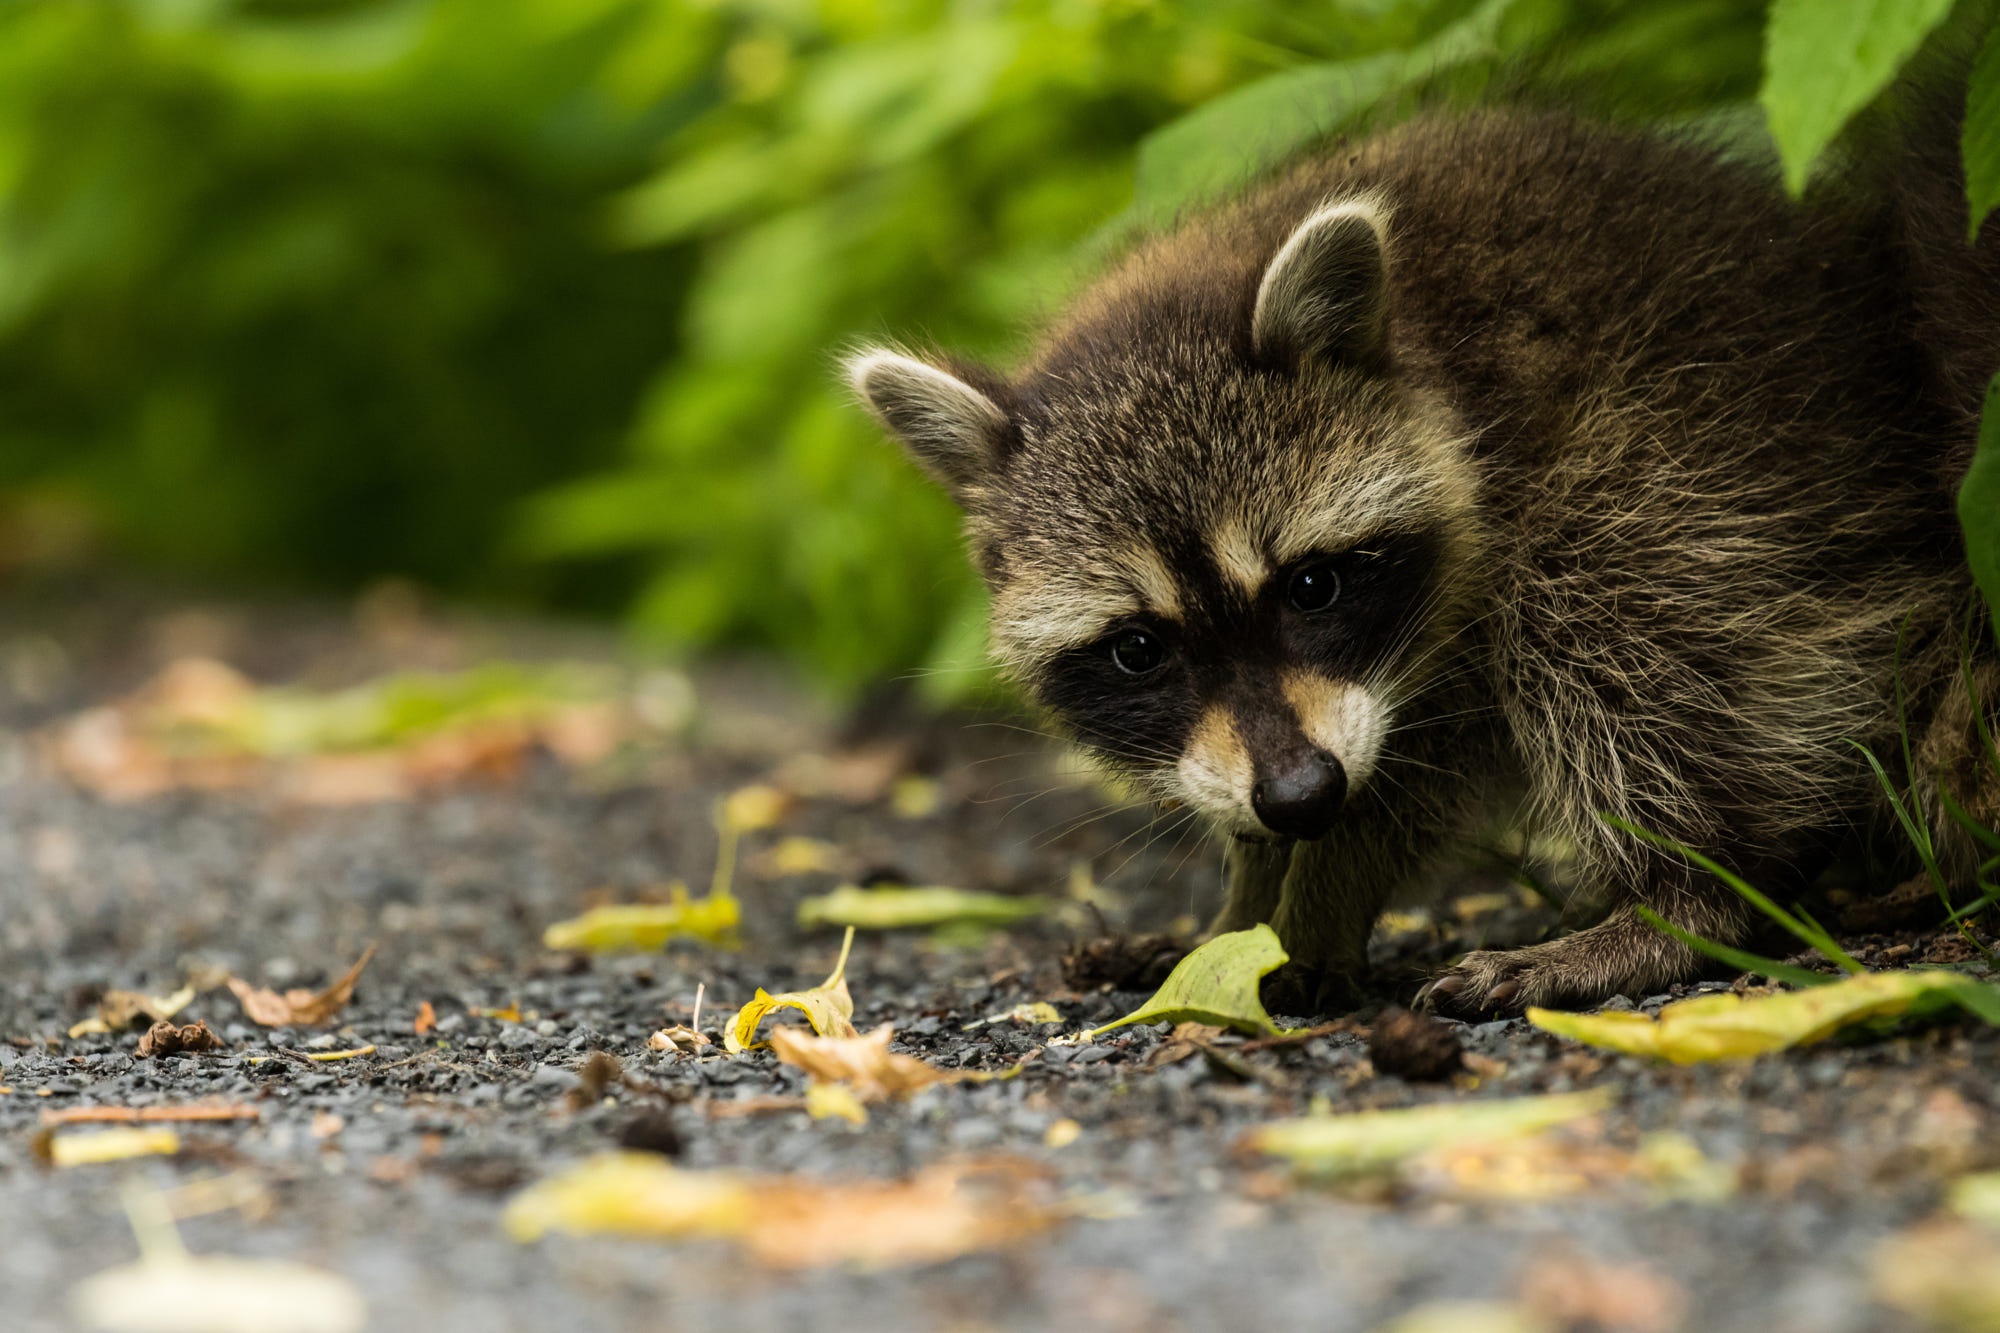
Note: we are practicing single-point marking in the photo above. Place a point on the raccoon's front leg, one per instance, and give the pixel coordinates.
(1620, 955)
(1335, 889)
(1253, 876)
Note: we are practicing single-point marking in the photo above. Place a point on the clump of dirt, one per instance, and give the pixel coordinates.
(1414, 1047)
(1122, 962)
(166, 1038)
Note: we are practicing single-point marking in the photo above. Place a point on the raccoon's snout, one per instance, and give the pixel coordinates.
(1302, 799)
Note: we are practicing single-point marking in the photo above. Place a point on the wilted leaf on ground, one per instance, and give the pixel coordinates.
(218, 1294)
(1944, 1273)
(1216, 984)
(109, 1145)
(1375, 1140)
(1727, 1026)
(1033, 1012)
(864, 1062)
(301, 1008)
(201, 724)
(901, 908)
(827, 1006)
(1665, 1165)
(644, 927)
(940, 1213)
(679, 1037)
(121, 1009)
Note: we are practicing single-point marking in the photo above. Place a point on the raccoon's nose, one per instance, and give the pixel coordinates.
(1302, 800)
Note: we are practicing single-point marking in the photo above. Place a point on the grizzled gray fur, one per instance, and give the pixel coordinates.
(1498, 467)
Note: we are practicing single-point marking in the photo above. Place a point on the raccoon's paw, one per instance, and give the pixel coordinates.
(1310, 990)
(1621, 955)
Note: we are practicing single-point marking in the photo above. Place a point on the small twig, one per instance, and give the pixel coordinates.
(140, 1115)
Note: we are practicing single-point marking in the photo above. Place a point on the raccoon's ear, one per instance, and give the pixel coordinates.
(1325, 295)
(954, 431)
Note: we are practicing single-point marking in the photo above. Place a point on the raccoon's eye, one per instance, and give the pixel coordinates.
(1314, 586)
(1135, 652)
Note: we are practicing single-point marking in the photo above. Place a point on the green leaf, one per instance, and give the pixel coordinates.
(1826, 59)
(1979, 506)
(1733, 1027)
(1216, 984)
(1980, 142)
(899, 908)
(1225, 143)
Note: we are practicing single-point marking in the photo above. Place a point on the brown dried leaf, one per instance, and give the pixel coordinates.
(1571, 1290)
(865, 1062)
(300, 1008)
(122, 1009)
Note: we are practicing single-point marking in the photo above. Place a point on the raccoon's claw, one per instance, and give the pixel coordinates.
(1304, 990)
(1487, 982)
(1620, 954)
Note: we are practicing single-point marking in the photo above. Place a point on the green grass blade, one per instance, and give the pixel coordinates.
(1741, 960)
(1810, 934)
(1919, 836)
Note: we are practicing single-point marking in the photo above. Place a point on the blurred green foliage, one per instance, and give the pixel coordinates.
(540, 298)
(321, 290)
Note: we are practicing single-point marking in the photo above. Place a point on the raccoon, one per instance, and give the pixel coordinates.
(1501, 466)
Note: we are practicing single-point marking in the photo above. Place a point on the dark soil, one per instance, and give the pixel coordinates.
(393, 1168)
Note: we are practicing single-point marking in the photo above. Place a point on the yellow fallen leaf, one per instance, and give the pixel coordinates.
(644, 927)
(111, 1145)
(901, 908)
(944, 1211)
(1726, 1026)
(1947, 1274)
(633, 1194)
(121, 1009)
(1216, 984)
(1061, 1134)
(302, 1008)
(748, 809)
(1375, 1140)
(827, 1006)
(802, 856)
(218, 1294)
(913, 797)
(1468, 1317)
(835, 1101)
(1976, 1198)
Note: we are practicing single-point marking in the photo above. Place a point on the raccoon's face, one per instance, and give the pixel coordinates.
(1223, 542)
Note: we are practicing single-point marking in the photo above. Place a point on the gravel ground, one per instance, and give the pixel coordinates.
(393, 1168)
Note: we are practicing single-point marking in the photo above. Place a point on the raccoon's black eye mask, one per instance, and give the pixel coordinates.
(1138, 690)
